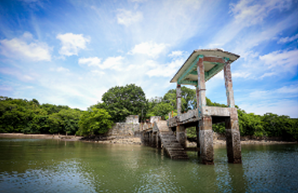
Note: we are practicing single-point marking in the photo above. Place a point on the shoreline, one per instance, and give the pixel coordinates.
(132, 140)
(41, 136)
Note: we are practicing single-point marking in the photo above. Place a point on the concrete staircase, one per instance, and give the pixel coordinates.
(170, 143)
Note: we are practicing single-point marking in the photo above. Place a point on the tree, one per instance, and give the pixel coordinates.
(121, 101)
(94, 121)
(188, 98)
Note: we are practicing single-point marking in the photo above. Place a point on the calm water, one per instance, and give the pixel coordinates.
(38, 165)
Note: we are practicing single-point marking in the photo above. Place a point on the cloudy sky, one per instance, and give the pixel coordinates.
(71, 52)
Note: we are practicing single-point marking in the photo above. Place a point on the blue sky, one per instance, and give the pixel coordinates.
(71, 52)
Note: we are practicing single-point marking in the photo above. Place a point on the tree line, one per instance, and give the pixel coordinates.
(28, 116)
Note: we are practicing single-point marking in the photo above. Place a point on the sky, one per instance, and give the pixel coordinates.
(72, 52)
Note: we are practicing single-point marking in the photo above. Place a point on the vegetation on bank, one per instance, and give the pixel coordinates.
(21, 115)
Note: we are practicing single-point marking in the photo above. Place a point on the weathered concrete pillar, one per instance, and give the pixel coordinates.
(147, 138)
(233, 137)
(153, 139)
(150, 138)
(198, 139)
(142, 138)
(158, 141)
(201, 85)
(198, 96)
(206, 140)
(229, 85)
(181, 135)
(178, 99)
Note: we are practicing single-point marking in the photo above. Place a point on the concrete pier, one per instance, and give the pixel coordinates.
(201, 66)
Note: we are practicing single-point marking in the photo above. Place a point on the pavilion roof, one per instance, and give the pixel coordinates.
(187, 74)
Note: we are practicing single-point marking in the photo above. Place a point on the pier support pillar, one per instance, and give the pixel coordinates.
(158, 141)
(153, 139)
(206, 140)
(181, 135)
(198, 139)
(233, 138)
(178, 99)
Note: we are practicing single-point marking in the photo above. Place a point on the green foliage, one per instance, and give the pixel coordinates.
(18, 115)
(191, 132)
(94, 121)
(122, 101)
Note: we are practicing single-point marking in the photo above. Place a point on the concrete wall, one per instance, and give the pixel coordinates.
(127, 128)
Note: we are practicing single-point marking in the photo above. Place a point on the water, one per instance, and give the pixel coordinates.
(39, 165)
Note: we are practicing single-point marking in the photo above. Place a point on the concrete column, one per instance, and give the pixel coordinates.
(198, 139)
(206, 140)
(198, 96)
(150, 138)
(158, 141)
(233, 137)
(142, 138)
(201, 84)
(181, 135)
(147, 138)
(178, 99)
(153, 139)
(229, 85)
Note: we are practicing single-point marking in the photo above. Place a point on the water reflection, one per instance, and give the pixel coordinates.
(58, 166)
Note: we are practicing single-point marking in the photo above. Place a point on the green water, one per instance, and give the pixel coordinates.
(39, 165)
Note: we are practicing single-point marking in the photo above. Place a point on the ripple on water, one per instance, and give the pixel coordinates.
(80, 167)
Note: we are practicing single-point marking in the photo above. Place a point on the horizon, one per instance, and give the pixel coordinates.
(71, 52)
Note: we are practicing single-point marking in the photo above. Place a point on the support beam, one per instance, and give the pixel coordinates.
(213, 59)
(181, 135)
(233, 137)
(229, 85)
(178, 99)
(206, 140)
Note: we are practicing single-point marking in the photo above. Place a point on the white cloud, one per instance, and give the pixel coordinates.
(250, 12)
(72, 43)
(288, 39)
(92, 61)
(164, 70)
(281, 107)
(25, 47)
(292, 89)
(61, 69)
(6, 88)
(174, 54)
(110, 63)
(285, 59)
(283, 92)
(149, 48)
(137, 1)
(268, 74)
(241, 74)
(21, 76)
(128, 18)
(281, 101)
